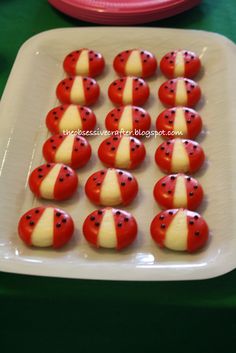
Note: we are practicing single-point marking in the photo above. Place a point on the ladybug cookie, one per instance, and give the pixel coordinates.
(128, 118)
(111, 187)
(72, 150)
(122, 152)
(179, 156)
(135, 62)
(178, 190)
(129, 90)
(70, 117)
(78, 90)
(179, 122)
(46, 226)
(110, 228)
(53, 181)
(180, 63)
(179, 91)
(179, 230)
(84, 62)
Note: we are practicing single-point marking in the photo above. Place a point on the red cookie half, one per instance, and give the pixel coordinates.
(178, 190)
(180, 63)
(72, 150)
(111, 187)
(78, 90)
(46, 226)
(110, 228)
(179, 230)
(53, 181)
(70, 117)
(179, 92)
(84, 62)
(122, 152)
(179, 156)
(129, 90)
(180, 122)
(128, 119)
(135, 62)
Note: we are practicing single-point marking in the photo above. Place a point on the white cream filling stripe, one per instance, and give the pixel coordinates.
(134, 64)
(107, 231)
(82, 65)
(110, 194)
(77, 95)
(42, 234)
(71, 119)
(177, 232)
(64, 151)
(47, 185)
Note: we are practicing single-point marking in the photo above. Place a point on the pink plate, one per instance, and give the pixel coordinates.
(122, 12)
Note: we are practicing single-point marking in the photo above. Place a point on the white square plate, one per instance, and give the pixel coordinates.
(30, 93)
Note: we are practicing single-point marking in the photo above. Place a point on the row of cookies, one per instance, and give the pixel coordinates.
(178, 227)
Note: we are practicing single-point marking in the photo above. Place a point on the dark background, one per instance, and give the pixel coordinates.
(62, 315)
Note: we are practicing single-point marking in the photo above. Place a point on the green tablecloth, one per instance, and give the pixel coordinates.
(48, 314)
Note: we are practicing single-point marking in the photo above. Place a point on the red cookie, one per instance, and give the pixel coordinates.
(179, 156)
(53, 181)
(179, 91)
(46, 226)
(84, 62)
(135, 62)
(179, 230)
(110, 228)
(70, 117)
(78, 90)
(128, 118)
(72, 150)
(179, 122)
(111, 187)
(128, 90)
(178, 190)
(122, 152)
(180, 63)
